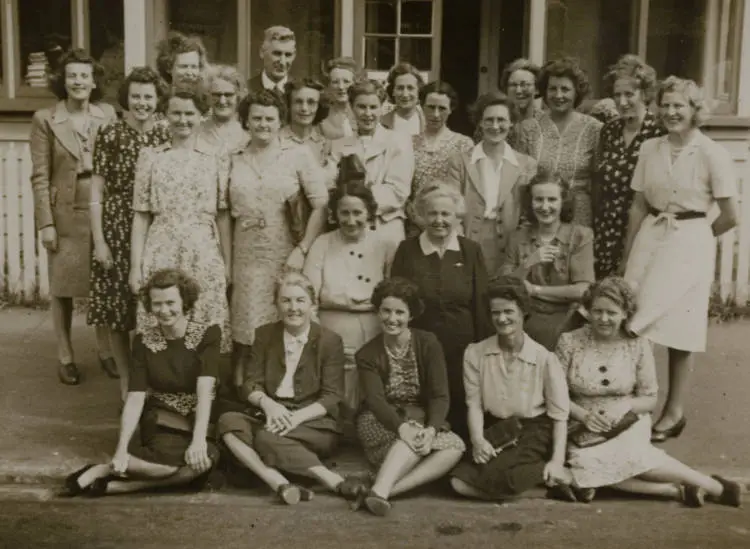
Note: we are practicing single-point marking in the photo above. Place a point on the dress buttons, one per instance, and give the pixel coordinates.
(351, 252)
(367, 280)
(360, 256)
(605, 382)
(601, 412)
(602, 369)
(359, 277)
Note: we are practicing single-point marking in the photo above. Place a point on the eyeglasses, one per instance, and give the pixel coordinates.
(521, 85)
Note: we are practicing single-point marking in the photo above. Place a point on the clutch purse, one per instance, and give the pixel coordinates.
(173, 420)
(298, 209)
(504, 433)
(584, 438)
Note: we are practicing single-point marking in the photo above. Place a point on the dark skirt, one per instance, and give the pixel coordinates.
(163, 445)
(515, 469)
(546, 326)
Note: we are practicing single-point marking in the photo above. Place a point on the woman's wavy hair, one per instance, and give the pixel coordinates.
(439, 87)
(510, 288)
(487, 100)
(520, 64)
(617, 290)
(355, 188)
(400, 288)
(175, 44)
(193, 92)
(367, 87)
(564, 67)
(56, 80)
(692, 92)
(632, 67)
(294, 278)
(142, 75)
(400, 69)
(162, 279)
(265, 98)
(293, 86)
(527, 206)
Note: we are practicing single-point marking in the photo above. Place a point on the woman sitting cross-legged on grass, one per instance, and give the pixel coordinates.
(173, 373)
(402, 371)
(294, 382)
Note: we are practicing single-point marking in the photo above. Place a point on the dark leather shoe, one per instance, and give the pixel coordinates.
(110, 367)
(69, 374)
(72, 488)
(693, 496)
(98, 488)
(674, 431)
(732, 494)
(562, 492)
(584, 495)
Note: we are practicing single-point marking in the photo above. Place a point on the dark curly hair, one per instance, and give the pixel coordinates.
(566, 211)
(400, 69)
(367, 87)
(293, 86)
(194, 92)
(142, 75)
(617, 290)
(632, 67)
(56, 81)
(521, 64)
(441, 88)
(265, 98)
(487, 100)
(564, 67)
(172, 278)
(511, 288)
(400, 288)
(175, 44)
(356, 189)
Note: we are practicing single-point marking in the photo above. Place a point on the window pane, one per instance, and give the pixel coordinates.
(417, 51)
(215, 21)
(45, 31)
(313, 23)
(574, 25)
(416, 17)
(380, 16)
(676, 37)
(380, 53)
(107, 39)
(726, 68)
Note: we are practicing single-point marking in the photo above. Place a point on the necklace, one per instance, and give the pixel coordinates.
(398, 353)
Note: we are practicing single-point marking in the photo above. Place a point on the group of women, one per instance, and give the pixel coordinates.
(214, 214)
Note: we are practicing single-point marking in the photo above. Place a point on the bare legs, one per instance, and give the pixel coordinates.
(664, 481)
(680, 370)
(62, 319)
(120, 349)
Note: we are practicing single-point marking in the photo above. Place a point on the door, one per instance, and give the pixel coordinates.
(502, 38)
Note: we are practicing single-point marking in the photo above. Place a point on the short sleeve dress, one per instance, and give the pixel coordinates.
(604, 378)
(168, 371)
(116, 150)
(184, 190)
(262, 236)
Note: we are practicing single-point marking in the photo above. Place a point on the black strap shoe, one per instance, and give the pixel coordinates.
(69, 374)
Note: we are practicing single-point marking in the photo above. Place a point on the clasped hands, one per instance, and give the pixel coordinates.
(279, 419)
(417, 437)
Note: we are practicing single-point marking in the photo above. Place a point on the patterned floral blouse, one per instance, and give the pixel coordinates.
(403, 378)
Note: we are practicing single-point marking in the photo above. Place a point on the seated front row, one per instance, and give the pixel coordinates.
(517, 395)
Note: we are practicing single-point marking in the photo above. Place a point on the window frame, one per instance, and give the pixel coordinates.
(435, 36)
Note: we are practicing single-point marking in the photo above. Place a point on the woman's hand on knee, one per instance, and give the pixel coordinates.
(282, 429)
(196, 456)
(120, 462)
(278, 416)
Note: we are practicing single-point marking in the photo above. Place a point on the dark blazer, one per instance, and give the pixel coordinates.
(374, 370)
(319, 376)
(255, 85)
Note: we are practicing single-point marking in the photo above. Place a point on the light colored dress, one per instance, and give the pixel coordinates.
(262, 238)
(604, 378)
(570, 154)
(226, 139)
(184, 190)
(344, 274)
(671, 264)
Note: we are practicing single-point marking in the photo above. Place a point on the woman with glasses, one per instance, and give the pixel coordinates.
(224, 87)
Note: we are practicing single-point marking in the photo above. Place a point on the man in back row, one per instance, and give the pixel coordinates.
(278, 52)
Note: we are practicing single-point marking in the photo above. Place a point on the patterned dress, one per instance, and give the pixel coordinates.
(431, 163)
(116, 153)
(184, 190)
(614, 196)
(262, 239)
(604, 378)
(569, 154)
(403, 392)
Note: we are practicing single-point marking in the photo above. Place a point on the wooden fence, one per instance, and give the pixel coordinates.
(23, 260)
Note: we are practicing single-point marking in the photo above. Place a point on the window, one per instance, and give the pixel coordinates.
(675, 37)
(214, 21)
(45, 31)
(400, 30)
(723, 74)
(107, 43)
(314, 26)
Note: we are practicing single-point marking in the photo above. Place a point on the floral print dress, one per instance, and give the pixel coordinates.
(616, 164)
(184, 190)
(116, 151)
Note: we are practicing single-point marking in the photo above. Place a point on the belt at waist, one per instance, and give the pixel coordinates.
(680, 216)
(85, 175)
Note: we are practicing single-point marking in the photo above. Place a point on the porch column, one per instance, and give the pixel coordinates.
(537, 30)
(136, 24)
(743, 97)
(346, 30)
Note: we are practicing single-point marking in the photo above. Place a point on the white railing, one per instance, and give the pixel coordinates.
(23, 260)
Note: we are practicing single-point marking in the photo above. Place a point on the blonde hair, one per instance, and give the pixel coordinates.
(438, 189)
(294, 278)
(692, 92)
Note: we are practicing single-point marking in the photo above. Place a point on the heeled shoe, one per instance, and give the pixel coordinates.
(584, 495)
(693, 496)
(110, 367)
(562, 492)
(71, 486)
(68, 374)
(732, 493)
(354, 490)
(658, 436)
(289, 494)
(377, 505)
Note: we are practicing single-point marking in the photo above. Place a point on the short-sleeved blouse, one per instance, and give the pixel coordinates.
(703, 172)
(174, 365)
(531, 385)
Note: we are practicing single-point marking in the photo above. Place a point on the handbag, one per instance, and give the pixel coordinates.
(298, 210)
(583, 438)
